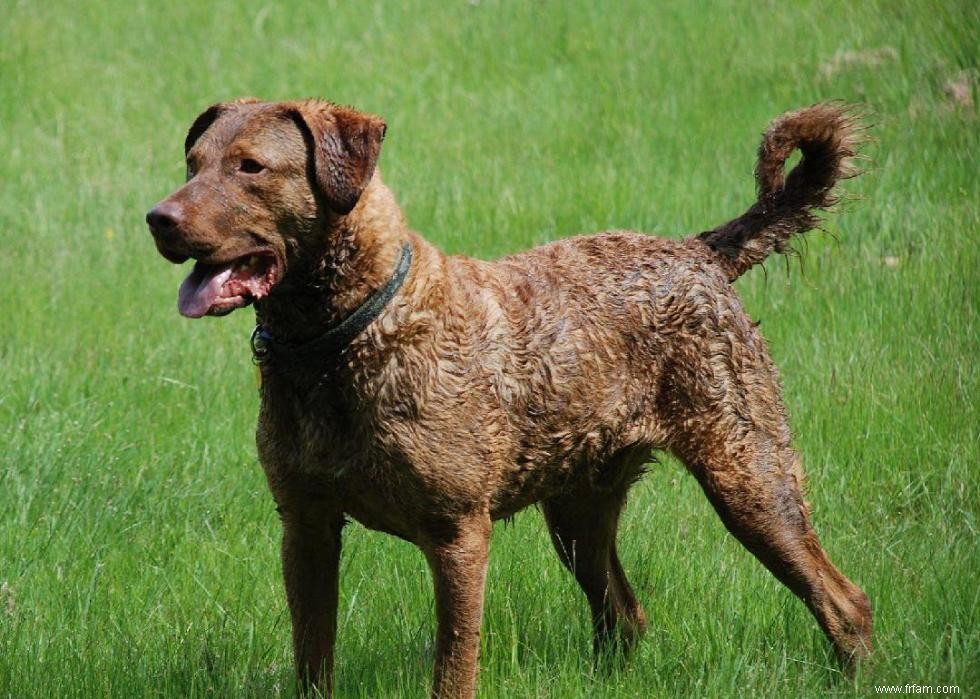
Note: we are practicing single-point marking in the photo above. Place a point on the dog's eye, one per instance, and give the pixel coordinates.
(252, 167)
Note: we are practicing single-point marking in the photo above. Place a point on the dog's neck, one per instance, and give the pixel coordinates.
(357, 257)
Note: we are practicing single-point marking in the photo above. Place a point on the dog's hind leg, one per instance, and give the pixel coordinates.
(731, 432)
(583, 527)
(756, 491)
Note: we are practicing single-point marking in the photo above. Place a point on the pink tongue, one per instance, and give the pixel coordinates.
(201, 288)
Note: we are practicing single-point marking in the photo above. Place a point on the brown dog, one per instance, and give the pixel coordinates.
(427, 396)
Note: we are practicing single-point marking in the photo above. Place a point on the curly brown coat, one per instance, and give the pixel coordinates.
(483, 387)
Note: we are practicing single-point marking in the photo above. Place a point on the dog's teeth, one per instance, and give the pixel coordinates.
(245, 263)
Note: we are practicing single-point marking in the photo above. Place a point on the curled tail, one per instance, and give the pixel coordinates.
(828, 135)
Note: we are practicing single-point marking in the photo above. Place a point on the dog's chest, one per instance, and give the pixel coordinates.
(311, 445)
(310, 430)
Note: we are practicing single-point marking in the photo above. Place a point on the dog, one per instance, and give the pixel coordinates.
(426, 395)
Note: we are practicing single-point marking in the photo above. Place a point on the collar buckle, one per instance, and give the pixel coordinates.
(261, 343)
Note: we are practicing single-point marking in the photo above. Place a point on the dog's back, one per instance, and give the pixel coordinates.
(587, 343)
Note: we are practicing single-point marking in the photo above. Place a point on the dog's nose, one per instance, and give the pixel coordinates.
(164, 218)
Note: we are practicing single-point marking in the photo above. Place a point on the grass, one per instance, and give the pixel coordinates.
(138, 544)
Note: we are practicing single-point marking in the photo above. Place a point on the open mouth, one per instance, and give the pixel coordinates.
(218, 289)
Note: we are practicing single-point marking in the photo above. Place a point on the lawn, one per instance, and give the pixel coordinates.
(138, 543)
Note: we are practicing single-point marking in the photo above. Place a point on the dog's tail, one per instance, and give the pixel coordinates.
(828, 135)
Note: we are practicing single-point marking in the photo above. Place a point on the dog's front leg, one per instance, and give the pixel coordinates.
(310, 562)
(458, 559)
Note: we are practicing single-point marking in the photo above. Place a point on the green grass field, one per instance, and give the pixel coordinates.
(138, 543)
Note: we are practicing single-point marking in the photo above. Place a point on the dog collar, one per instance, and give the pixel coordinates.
(265, 347)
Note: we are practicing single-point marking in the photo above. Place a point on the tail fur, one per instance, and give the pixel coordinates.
(828, 135)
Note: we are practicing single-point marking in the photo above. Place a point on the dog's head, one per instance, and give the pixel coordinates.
(265, 183)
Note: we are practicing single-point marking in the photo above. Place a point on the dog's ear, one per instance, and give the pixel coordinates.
(208, 117)
(344, 144)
